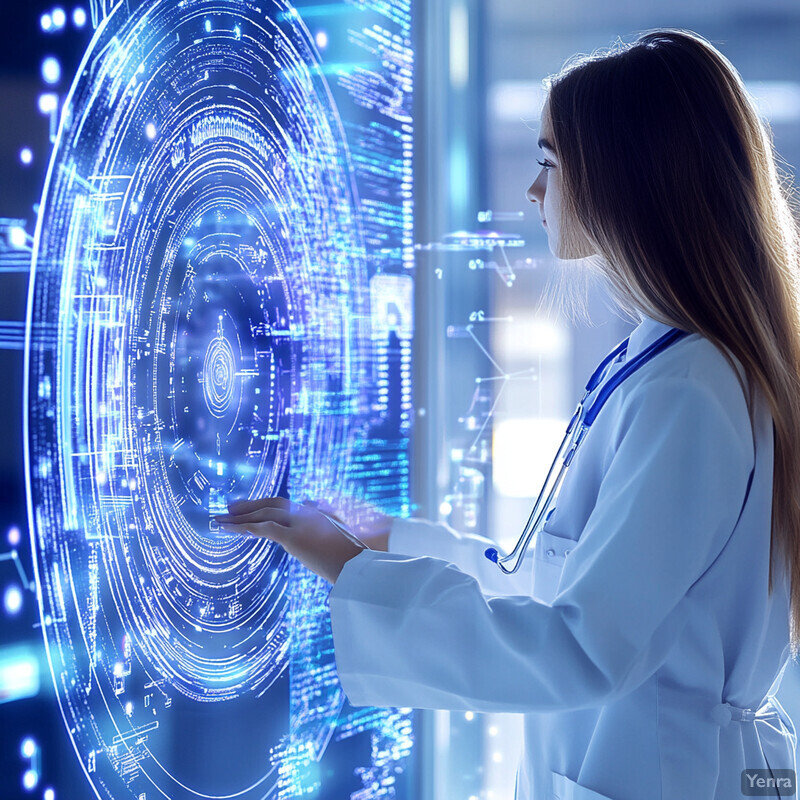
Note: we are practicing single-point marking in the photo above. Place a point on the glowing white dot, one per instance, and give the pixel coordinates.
(497, 757)
(469, 716)
(14, 536)
(26, 155)
(48, 102)
(78, 20)
(49, 794)
(445, 508)
(150, 131)
(321, 39)
(208, 26)
(46, 22)
(51, 70)
(28, 748)
(493, 730)
(30, 778)
(59, 18)
(129, 708)
(12, 600)
(17, 236)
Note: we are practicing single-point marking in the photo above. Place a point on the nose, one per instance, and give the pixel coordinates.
(536, 190)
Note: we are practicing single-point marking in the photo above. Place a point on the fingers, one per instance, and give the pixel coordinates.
(246, 506)
(265, 530)
(263, 514)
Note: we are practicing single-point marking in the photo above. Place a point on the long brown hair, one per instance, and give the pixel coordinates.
(671, 174)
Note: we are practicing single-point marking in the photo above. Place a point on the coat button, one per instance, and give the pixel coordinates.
(550, 552)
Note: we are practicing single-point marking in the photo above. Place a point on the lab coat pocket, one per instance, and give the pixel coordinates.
(550, 553)
(566, 789)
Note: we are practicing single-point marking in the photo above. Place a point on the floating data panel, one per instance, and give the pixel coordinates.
(220, 308)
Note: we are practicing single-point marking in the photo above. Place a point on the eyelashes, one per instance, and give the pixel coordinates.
(546, 164)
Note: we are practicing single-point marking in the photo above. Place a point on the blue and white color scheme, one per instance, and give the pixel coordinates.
(637, 637)
(219, 308)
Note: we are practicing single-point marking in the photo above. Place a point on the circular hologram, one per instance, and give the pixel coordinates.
(219, 377)
(197, 331)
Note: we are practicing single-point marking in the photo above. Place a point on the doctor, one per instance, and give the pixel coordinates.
(647, 629)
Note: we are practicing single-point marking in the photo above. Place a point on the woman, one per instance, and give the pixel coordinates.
(653, 618)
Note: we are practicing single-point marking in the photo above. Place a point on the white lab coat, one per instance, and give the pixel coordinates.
(640, 611)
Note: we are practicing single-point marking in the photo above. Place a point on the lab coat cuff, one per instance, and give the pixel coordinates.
(354, 655)
(409, 536)
(421, 537)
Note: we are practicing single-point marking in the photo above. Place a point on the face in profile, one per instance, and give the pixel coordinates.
(564, 239)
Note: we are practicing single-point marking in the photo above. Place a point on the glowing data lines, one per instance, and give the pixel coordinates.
(202, 250)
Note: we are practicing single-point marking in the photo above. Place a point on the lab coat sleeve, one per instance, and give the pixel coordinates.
(418, 632)
(420, 537)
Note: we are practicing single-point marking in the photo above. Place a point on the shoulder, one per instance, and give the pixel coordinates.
(694, 363)
(689, 381)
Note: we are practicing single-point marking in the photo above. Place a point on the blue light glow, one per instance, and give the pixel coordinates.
(12, 600)
(19, 673)
(48, 102)
(218, 298)
(51, 70)
(17, 237)
(26, 156)
(30, 778)
(59, 18)
(79, 17)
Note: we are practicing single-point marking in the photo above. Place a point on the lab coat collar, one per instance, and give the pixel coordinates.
(644, 335)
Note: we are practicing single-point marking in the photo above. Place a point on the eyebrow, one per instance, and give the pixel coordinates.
(544, 143)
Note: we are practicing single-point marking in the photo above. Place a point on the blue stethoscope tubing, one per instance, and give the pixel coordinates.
(582, 421)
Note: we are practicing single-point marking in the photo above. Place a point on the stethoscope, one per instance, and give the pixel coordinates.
(581, 422)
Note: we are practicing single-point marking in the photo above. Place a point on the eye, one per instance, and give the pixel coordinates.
(545, 164)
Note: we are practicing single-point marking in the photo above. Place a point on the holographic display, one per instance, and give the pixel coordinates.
(219, 308)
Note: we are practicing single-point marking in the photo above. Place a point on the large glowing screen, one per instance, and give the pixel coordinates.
(219, 308)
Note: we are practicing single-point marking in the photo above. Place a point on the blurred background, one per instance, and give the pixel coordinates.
(497, 369)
